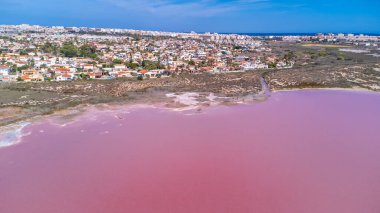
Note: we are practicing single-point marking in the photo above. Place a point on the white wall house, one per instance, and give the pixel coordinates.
(4, 70)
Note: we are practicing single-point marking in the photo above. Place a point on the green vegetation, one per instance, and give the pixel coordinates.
(132, 65)
(50, 48)
(108, 66)
(117, 61)
(289, 56)
(272, 65)
(87, 51)
(341, 57)
(237, 47)
(69, 50)
(322, 54)
(206, 63)
(151, 65)
(84, 76)
(23, 52)
(24, 67)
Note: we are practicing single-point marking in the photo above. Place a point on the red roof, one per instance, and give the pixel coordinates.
(205, 68)
(62, 69)
(143, 71)
(3, 67)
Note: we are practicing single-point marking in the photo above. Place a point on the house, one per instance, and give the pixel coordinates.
(64, 77)
(119, 67)
(154, 73)
(4, 70)
(21, 63)
(126, 74)
(95, 75)
(143, 72)
(220, 69)
(87, 66)
(206, 69)
(31, 75)
(8, 78)
(42, 63)
(201, 54)
(61, 70)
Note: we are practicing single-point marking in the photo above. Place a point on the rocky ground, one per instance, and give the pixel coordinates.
(349, 76)
(318, 67)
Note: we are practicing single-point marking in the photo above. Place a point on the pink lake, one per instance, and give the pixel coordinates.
(298, 152)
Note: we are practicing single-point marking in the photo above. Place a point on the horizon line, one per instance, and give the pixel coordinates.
(202, 32)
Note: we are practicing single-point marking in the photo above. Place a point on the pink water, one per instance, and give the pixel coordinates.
(298, 152)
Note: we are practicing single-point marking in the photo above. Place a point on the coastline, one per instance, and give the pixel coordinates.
(357, 89)
(185, 103)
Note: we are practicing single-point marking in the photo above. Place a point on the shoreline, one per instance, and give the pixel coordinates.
(12, 133)
(358, 89)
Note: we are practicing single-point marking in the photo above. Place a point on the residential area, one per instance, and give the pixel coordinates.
(37, 53)
(34, 53)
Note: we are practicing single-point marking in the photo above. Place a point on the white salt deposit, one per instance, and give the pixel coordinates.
(189, 98)
(354, 50)
(12, 135)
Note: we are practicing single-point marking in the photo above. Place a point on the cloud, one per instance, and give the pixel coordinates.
(202, 8)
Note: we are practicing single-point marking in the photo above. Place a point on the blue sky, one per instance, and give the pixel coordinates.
(260, 16)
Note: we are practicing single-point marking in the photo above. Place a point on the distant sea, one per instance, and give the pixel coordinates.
(295, 34)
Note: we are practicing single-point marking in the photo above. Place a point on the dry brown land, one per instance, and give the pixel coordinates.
(20, 101)
(25, 100)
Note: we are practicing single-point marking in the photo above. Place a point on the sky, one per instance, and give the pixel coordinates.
(223, 16)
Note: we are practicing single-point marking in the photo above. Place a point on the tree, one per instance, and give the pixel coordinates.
(117, 61)
(107, 65)
(289, 56)
(272, 65)
(47, 47)
(151, 65)
(23, 52)
(50, 48)
(31, 63)
(24, 67)
(69, 50)
(84, 76)
(87, 50)
(132, 65)
(237, 47)
(191, 62)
